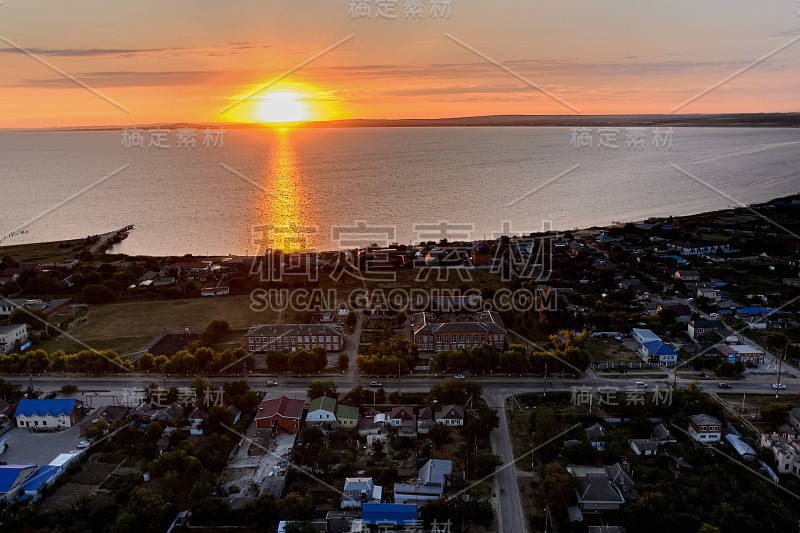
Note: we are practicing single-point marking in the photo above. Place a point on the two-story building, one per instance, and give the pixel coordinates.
(705, 428)
(433, 336)
(12, 335)
(292, 337)
(47, 414)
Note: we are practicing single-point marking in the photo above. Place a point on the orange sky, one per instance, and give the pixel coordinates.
(187, 60)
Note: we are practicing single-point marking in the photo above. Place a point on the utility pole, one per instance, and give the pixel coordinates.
(544, 395)
(780, 364)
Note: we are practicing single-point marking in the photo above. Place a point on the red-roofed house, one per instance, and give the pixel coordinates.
(282, 413)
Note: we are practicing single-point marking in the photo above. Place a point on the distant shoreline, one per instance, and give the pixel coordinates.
(721, 120)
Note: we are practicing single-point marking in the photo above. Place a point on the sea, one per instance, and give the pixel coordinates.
(235, 192)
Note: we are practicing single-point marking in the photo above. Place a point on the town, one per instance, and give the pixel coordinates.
(637, 377)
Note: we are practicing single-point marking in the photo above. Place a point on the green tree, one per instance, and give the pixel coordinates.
(301, 526)
(343, 362)
(319, 388)
(351, 319)
(218, 420)
(440, 435)
(295, 506)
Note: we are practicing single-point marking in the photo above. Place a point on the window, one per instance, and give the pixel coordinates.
(44, 422)
(475, 337)
(461, 338)
(250, 340)
(483, 338)
(447, 338)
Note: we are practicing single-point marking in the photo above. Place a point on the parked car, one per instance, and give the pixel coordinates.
(84, 444)
(724, 386)
(375, 384)
(459, 376)
(777, 386)
(272, 383)
(641, 384)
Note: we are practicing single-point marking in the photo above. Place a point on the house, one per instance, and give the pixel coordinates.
(785, 451)
(196, 418)
(596, 435)
(282, 413)
(347, 416)
(683, 313)
(425, 419)
(644, 446)
(48, 307)
(403, 419)
(596, 494)
(292, 337)
(710, 293)
(193, 269)
(383, 514)
(687, 275)
(433, 336)
(372, 423)
(170, 414)
(698, 328)
(661, 351)
(698, 248)
(145, 411)
(11, 479)
(705, 428)
(451, 415)
(11, 335)
(603, 488)
(113, 415)
(322, 412)
(360, 490)
(215, 291)
(429, 485)
(47, 414)
(481, 254)
(661, 434)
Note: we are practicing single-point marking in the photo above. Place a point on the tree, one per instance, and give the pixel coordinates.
(35, 319)
(319, 388)
(301, 526)
(456, 392)
(440, 435)
(401, 317)
(144, 513)
(343, 362)
(351, 319)
(214, 332)
(98, 294)
(217, 420)
(261, 512)
(295, 506)
(146, 362)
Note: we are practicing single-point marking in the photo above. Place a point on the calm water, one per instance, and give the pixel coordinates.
(184, 201)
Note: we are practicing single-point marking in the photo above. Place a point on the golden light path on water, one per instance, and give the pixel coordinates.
(284, 221)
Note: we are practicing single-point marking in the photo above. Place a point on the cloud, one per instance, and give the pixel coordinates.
(131, 52)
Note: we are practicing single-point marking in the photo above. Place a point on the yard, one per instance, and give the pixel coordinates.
(611, 351)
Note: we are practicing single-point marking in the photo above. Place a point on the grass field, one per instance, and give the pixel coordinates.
(611, 351)
(44, 252)
(126, 327)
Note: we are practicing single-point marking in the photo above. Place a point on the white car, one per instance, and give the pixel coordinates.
(84, 444)
(459, 376)
(272, 383)
(640, 384)
(375, 384)
(776, 386)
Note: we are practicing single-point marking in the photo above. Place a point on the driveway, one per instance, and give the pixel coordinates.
(28, 447)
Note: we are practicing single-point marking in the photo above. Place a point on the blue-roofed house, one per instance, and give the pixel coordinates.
(47, 414)
(662, 351)
(11, 479)
(404, 514)
(44, 476)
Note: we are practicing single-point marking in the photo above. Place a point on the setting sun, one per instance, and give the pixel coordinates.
(283, 107)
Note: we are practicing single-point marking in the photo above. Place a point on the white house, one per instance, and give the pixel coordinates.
(644, 335)
(360, 490)
(9, 335)
(322, 411)
(451, 415)
(705, 428)
(47, 414)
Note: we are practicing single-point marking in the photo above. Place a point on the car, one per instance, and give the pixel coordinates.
(84, 444)
(724, 386)
(641, 384)
(715, 315)
(375, 384)
(272, 383)
(778, 386)
(459, 376)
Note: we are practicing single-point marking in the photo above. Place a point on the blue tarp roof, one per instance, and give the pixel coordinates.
(9, 474)
(45, 407)
(389, 513)
(40, 477)
(757, 311)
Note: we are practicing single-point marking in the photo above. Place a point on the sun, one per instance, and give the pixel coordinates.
(282, 107)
